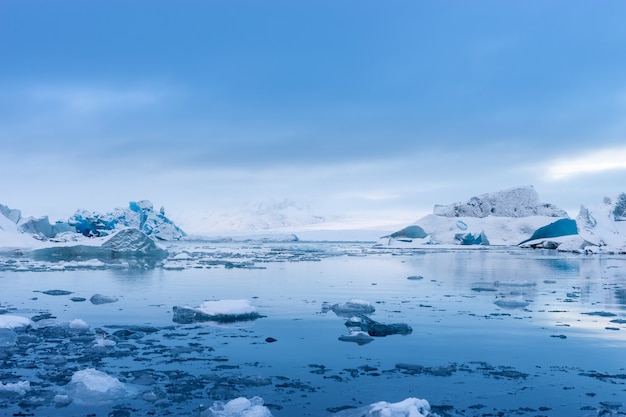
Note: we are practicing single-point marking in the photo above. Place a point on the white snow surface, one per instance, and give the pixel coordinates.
(226, 307)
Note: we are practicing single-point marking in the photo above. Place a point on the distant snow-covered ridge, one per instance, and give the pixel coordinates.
(516, 216)
(284, 215)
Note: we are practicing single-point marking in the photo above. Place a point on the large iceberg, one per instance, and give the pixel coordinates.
(505, 217)
(139, 215)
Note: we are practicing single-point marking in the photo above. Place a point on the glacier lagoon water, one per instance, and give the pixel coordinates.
(495, 332)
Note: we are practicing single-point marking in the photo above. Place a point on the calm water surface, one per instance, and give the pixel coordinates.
(506, 332)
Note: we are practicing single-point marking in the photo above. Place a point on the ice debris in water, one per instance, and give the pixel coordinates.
(410, 407)
(239, 407)
(353, 306)
(93, 387)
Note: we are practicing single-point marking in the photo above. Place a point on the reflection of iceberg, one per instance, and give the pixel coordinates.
(221, 311)
(374, 328)
(410, 407)
(125, 244)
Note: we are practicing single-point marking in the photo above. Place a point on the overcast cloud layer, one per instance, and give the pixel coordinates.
(376, 110)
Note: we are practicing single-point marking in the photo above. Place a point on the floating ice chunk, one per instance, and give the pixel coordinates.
(18, 387)
(13, 322)
(224, 311)
(102, 342)
(511, 303)
(62, 400)
(354, 306)
(227, 307)
(78, 324)
(92, 387)
(410, 407)
(98, 299)
(239, 407)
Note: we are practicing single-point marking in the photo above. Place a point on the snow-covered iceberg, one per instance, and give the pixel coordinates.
(505, 217)
(601, 228)
(220, 311)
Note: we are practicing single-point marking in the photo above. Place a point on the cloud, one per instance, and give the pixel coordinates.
(610, 159)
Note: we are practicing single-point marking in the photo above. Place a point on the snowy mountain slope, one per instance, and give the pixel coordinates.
(284, 215)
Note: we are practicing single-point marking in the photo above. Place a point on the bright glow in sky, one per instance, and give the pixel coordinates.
(359, 108)
(592, 163)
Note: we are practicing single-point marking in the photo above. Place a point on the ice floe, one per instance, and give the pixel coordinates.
(221, 311)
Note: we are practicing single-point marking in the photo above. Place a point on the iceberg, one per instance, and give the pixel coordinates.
(139, 215)
(541, 237)
(503, 218)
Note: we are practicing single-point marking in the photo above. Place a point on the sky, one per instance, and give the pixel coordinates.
(369, 110)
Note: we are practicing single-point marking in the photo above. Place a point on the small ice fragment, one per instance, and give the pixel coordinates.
(510, 303)
(78, 324)
(353, 306)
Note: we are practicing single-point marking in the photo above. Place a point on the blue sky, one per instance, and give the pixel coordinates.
(367, 109)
